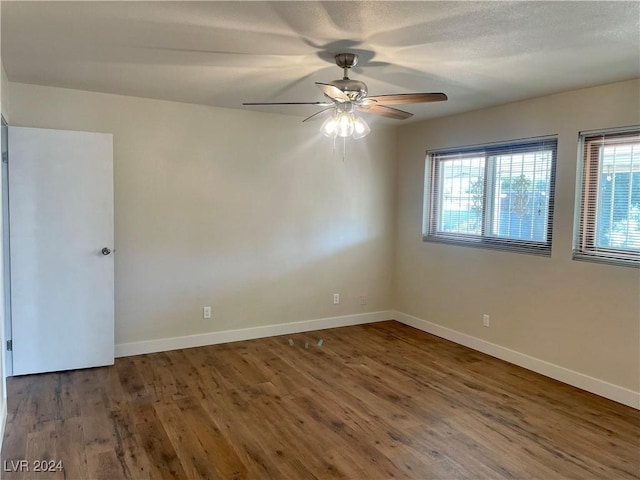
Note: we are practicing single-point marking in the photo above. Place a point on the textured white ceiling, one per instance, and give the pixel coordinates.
(224, 53)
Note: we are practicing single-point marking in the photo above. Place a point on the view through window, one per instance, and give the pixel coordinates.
(609, 216)
(498, 196)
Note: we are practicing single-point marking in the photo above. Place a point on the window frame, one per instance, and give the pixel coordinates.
(432, 201)
(586, 213)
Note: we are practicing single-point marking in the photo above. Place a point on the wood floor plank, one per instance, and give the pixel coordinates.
(42, 445)
(206, 432)
(157, 445)
(188, 447)
(70, 433)
(105, 465)
(374, 401)
(131, 379)
(129, 447)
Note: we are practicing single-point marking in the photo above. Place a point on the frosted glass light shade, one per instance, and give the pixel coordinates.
(360, 128)
(329, 127)
(345, 125)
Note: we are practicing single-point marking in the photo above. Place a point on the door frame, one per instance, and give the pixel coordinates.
(6, 252)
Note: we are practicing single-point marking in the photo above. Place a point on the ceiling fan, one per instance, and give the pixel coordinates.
(347, 96)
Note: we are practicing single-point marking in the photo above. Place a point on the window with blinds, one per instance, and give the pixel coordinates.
(495, 196)
(608, 226)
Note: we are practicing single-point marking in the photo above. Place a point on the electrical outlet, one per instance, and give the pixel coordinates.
(486, 320)
(363, 299)
(206, 312)
(336, 298)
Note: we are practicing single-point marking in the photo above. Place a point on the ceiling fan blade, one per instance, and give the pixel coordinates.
(320, 114)
(333, 92)
(321, 104)
(400, 98)
(389, 112)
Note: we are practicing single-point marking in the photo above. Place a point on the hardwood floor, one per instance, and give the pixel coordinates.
(375, 401)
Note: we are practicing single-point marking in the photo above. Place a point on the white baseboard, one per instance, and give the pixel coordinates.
(225, 336)
(580, 380)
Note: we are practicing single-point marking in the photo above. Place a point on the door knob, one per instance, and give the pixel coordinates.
(106, 251)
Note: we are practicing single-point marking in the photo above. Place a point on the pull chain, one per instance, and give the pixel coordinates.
(344, 148)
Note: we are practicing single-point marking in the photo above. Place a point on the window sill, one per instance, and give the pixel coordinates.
(606, 259)
(542, 250)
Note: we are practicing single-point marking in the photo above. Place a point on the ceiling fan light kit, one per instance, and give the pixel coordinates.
(344, 123)
(347, 96)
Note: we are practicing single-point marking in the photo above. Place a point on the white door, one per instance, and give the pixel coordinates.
(61, 219)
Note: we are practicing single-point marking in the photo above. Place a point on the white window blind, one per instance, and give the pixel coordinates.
(608, 224)
(494, 196)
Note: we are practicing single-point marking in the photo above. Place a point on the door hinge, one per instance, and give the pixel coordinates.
(5, 158)
(10, 345)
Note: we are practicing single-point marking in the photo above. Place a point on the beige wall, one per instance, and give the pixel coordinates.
(4, 94)
(581, 316)
(253, 214)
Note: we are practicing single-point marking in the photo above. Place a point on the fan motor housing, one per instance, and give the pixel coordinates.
(354, 89)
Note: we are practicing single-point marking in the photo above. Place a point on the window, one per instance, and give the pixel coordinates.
(495, 196)
(608, 226)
